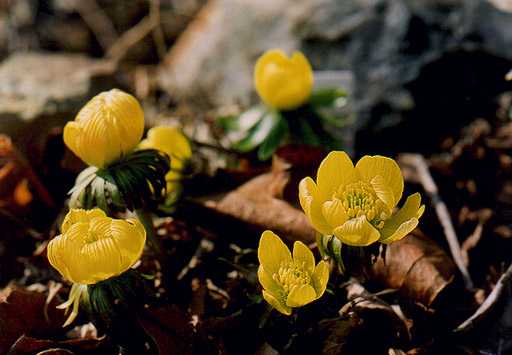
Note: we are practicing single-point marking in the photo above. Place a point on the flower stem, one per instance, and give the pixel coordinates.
(265, 316)
(146, 220)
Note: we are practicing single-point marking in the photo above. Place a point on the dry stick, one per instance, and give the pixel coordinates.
(98, 22)
(135, 34)
(489, 301)
(158, 34)
(426, 180)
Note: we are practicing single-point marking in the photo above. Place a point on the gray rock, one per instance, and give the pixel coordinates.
(40, 90)
(212, 61)
(436, 61)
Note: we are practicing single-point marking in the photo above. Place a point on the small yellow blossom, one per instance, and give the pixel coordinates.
(94, 248)
(289, 281)
(356, 203)
(283, 83)
(108, 127)
(171, 141)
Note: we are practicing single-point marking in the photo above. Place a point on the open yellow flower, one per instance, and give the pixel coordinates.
(289, 281)
(108, 127)
(356, 203)
(171, 141)
(283, 83)
(94, 248)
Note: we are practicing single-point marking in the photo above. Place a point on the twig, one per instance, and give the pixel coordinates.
(135, 34)
(471, 242)
(215, 147)
(488, 303)
(98, 22)
(30, 231)
(158, 34)
(425, 178)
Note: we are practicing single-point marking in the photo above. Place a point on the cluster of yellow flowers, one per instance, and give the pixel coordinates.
(93, 247)
(356, 204)
(111, 125)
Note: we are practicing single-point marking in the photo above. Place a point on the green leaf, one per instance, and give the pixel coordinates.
(333, 120)
(242, 122)
(257, 134)
(327, 97)
(274, 139)
(308, 134)
(227, 123)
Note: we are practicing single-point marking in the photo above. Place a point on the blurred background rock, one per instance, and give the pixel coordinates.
(410, 65)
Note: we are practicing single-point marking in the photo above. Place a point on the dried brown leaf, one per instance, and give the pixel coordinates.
(27, 345)
(23, 312)
(417, 266)
(170, 328)
(256, 203)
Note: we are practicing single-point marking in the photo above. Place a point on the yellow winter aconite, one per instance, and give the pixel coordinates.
(171, 141)
(94, 247)
(356, 203)
(288, 280)
(108, 127)
(283, 83)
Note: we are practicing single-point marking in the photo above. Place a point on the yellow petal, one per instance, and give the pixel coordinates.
(71, 136)
(334, 213)
(67, 249)
(307, 191)
(94, 247)
(404, 221)
(170, 140)
(300, 296)
(371, 166)
(357, 232)
(281, 82)
(267, 282)
(320, 278)
(311, 204)
(302, 255)
(335, 171)
(54, 251)
(383, 191)
(130, 238)
(78, 215)
(109, 126)
(280, 307)
(272, 252)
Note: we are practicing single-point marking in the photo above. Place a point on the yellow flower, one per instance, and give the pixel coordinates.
(171, 141)
(289, 281)
(356, 203)
(109, 126)
(94, 248)
(283, 83)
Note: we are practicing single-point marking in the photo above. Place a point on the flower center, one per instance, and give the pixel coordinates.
(290, 276)
(359, 199)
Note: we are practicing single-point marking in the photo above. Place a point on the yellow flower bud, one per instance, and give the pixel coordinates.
(289, 280)
(356, 203)
(94, 247)
(108, 127)
(283, 83)
(171, 141)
